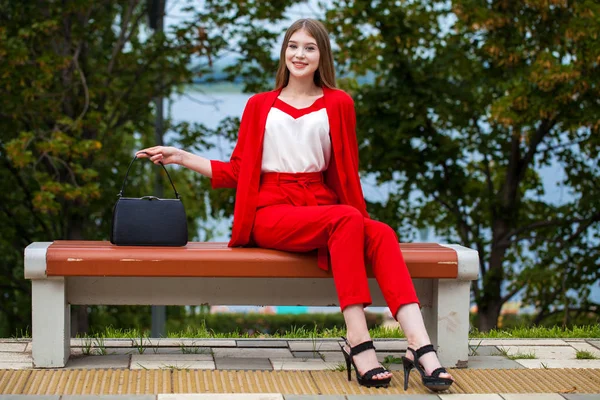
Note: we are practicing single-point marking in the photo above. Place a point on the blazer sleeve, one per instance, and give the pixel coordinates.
(225, 174)
(352, 141)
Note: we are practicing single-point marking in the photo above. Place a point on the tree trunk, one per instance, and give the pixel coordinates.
(490, 300)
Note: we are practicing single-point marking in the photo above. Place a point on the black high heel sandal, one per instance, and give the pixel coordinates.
(432, 382)
(366, 379)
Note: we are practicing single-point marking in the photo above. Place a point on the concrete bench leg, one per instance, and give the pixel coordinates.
(51, 320)
(448, 324)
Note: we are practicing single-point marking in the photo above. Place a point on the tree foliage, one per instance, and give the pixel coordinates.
(78, 79)
(462, 107)
(471, 101)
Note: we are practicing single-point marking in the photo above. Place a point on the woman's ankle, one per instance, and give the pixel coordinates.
(356, 339)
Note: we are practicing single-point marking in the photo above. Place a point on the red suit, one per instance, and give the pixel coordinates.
(326, 220)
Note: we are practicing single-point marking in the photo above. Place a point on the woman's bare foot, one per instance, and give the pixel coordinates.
(366, 360)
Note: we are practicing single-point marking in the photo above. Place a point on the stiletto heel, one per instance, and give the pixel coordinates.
(348, 363)
(366, 378)
(432, 382)
(407, 365)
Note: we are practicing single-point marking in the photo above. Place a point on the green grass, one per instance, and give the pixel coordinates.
(591, 331)
(585, 355)
(517, 356)
(529, 332)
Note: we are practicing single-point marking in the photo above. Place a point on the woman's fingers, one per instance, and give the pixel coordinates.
(149, 152)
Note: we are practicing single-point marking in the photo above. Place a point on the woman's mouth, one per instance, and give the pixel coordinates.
(299, 65)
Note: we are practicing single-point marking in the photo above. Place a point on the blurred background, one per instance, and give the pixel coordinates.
(478, 124)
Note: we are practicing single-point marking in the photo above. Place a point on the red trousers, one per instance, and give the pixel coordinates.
(299, 213)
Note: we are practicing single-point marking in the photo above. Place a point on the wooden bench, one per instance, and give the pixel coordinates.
(94, 273)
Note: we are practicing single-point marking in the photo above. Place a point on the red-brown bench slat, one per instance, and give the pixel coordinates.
(215, 259)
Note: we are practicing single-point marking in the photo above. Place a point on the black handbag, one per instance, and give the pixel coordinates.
(148, 221)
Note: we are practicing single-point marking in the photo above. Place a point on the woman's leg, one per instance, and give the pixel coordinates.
(412, 324)
(383, 253)
(358, 332)
(341, 229)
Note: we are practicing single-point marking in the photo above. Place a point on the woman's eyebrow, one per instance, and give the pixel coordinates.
(293, 41)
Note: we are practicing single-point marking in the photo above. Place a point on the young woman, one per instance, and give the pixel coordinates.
(295, 169)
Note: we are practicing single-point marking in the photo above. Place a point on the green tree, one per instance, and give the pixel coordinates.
(470, 101)
(78, 79)
(461, 106)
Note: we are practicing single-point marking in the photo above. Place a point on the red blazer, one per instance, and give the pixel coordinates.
(243, 170)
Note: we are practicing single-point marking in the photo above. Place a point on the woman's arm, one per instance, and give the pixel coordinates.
(222, 174)
(172, 155)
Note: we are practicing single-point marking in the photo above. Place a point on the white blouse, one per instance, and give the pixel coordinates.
(296, 140)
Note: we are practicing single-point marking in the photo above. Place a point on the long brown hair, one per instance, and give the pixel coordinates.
(325, 73)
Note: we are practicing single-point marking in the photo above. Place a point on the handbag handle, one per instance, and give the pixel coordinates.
(127, 175)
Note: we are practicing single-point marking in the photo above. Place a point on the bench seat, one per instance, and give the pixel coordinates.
(90, 258)
(97, 273)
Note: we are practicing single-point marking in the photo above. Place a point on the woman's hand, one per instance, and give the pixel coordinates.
(162, 154)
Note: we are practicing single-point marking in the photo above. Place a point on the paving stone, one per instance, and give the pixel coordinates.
(246, 363)
(595, 343)
(171, 357)
(311, 397)
(84, 342)
(173, 364)
(582, 346)
(483, 351)
(262, 343)
(179, 342)
(572, 396)
(16, 364)
(391, 345)
(333, 356)
(15, 357)
(28, 348)
(492, 362)
(13, 347)
(109, 397)
(542, 352)
(552, 363)
(302, 365)
(229, 396)
(308, 345)
(99, 362)
(478, 396)
(252, 353)
(518, 342)
(306, 354)
(123, 350)
(531, 396)
(382, 356)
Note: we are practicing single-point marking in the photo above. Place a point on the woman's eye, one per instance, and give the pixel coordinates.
(292, 46)
(310, 48)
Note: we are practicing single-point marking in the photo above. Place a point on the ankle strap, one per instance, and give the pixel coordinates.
(359, 348)
(425, 349)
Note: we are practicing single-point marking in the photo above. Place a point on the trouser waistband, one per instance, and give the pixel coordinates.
(286, 177)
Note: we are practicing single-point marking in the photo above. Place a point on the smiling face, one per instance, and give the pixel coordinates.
(302, 55)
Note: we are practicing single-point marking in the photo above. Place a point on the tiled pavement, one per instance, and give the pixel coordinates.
(293, 354)
(298, 355)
